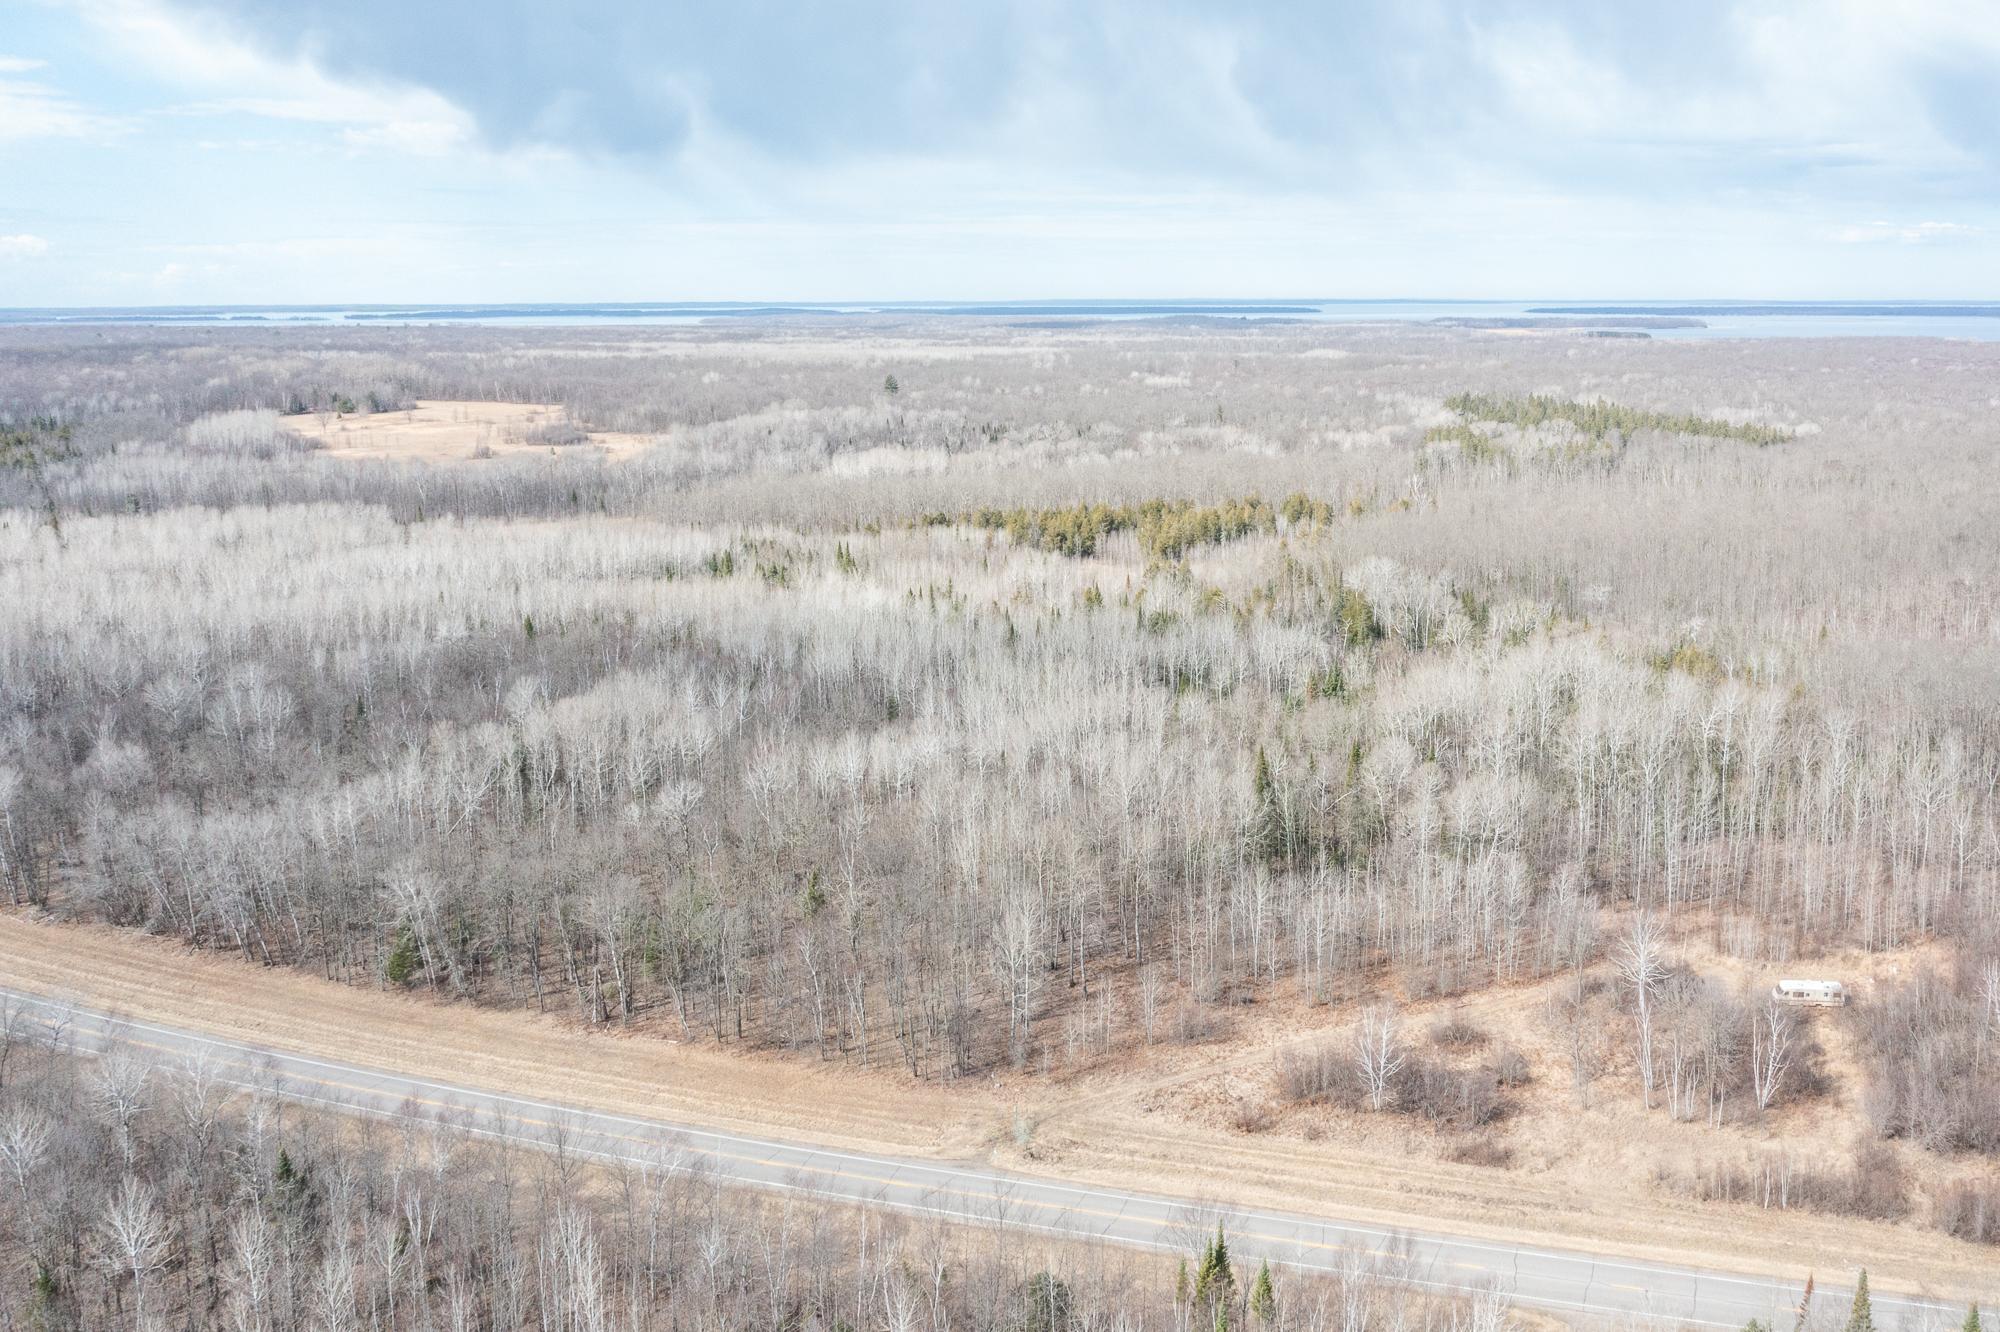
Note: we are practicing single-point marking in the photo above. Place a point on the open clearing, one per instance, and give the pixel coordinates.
(436, 431)
(1154, 1124)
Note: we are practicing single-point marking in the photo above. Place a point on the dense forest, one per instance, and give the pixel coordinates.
(949, 698)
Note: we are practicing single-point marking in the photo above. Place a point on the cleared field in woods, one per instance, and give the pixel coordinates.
(451, 432)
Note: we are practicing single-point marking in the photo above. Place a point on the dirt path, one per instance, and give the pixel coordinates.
(1130, 1130)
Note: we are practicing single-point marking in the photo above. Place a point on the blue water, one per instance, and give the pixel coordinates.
(1716, 319)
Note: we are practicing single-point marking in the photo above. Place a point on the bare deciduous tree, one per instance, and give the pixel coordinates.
(1379, 1053)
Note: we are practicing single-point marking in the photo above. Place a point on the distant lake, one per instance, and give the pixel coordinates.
(1660, 319)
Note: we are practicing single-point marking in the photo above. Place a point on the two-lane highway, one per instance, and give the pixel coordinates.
(1554, 1279)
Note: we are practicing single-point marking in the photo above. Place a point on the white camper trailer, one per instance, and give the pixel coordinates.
(1826, 993)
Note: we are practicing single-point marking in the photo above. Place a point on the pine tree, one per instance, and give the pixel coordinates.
(403, 960)
(1861, 1318)
(1214, 1282)
(1971, 1323)
(1269, 831)
(1264, 1300)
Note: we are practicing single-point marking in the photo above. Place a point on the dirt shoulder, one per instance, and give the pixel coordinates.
(1580, 1180)
(542, 1056)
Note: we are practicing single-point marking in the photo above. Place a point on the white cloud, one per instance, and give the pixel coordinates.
(34, 110)
(20, 64)
(202, 57)
(22, 246)
(1904, 233)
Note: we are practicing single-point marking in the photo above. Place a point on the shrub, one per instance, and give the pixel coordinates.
(1443, 1097)
(1927, 1083)
(1458, 1033)
(1873, 1186)
(1968, 1209)
(1480, 1149)
(1510, 1067)
(558, 435)
(1250, 1116)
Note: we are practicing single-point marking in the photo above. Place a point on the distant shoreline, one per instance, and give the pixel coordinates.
(1975, 311)
(1975, 320)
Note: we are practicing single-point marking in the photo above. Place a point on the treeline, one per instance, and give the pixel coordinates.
(1600, 419)
(145, 1196)
(1167, 529)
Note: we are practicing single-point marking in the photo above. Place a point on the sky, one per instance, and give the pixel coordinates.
(307, 151)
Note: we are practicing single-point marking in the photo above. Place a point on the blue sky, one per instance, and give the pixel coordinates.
(256, 151)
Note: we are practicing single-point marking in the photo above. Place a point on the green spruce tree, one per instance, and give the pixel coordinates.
(1269, 830)
(1971, 1323)
(1264, 1300)
(404, 959)
(1214, 1282)
(1861, 1317)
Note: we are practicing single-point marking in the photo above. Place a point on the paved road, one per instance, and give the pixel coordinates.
(1566, 1282)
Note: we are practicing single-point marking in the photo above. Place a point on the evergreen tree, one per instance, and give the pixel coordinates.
(1047, 1305)
(1264, 1300)
(403, 960)
(1861, 1317)
(1269, 830)
(1971, 1323)
(1214, 1282)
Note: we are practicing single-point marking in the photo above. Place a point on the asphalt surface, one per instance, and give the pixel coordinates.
(1567, 1282)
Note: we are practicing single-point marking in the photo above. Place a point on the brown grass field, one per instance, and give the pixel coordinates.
(447, 432)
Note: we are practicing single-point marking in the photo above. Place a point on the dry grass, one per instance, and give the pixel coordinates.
(1581, 1174)
(164, 981)
(1169, 1119)
(446, 432)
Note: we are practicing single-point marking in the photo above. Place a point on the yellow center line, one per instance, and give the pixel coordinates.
(929, 1190)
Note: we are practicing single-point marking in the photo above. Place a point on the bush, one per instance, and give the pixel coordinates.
(1458, 1033)
(1968, 1209)
(1873, 1186)
(1480, 1149)
(1193, 1022)
(558, 435)
(1447, 1098)
(1444, 1097)
(1510, 1067)
(1323, 1073)
(1927, 1083)
(1250, 1116)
